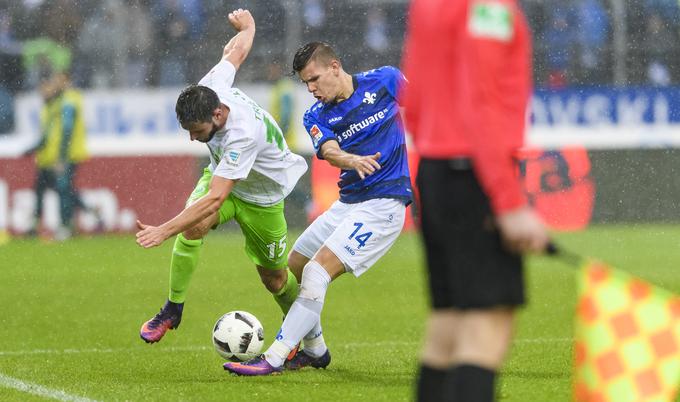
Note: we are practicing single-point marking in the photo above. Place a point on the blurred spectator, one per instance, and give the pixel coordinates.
(102, 46)
(6, 110)
(560, 40)
(61, 148)
(660, 44)
(282, 101)
(139, 43)
(376, 30)
(9, 45)
(10, 52)
(592, 35)
(61, 20)
(44, 54)
(133, 43)
(668, 10)
(178, 25)
(313, 13)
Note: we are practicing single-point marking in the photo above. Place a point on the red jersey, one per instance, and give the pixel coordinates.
(468, 68)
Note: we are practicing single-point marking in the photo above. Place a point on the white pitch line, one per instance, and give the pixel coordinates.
(349, 345)
(94, 350)
(35, 389)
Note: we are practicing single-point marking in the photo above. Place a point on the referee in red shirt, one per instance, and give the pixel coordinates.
(469, 71)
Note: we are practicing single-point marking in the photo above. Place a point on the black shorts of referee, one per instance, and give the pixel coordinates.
(467, 265)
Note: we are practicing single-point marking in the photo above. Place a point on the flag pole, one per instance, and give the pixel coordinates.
(563, 255)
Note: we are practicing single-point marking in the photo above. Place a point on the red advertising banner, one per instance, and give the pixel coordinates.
(558, 184)
(121, 189)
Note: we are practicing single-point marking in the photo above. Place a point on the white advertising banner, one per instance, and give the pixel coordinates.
(142, 122)
(126, 122)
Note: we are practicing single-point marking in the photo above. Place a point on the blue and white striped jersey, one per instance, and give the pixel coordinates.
(366, 123)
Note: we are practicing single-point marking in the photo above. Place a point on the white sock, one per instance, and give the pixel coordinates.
(304, 314)
(315, 345)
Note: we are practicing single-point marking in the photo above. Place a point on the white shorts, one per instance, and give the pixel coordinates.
(358, 234)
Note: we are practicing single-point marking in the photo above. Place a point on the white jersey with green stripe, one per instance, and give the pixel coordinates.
(250, 147)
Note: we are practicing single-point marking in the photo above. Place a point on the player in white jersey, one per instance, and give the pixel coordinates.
(251, 171)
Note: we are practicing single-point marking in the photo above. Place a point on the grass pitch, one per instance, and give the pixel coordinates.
(71, 313)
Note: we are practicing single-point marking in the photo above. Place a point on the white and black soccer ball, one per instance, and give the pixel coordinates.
(238, 336)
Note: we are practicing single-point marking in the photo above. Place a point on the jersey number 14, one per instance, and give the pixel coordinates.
(360, 238)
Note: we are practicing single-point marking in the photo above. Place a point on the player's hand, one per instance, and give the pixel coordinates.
(522, 231)
(241, 19)
(366, 165)
(150, 236)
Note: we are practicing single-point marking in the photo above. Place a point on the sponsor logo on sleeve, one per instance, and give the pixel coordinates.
(491, 19)
(316, 134)
(233, 158)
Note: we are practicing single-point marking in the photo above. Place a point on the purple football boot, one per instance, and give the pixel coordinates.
(168, 318)
(255, 366)
(302, 359)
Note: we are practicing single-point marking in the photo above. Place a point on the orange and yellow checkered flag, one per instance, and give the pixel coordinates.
(627, 341)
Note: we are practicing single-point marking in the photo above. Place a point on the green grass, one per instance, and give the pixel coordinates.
(71, 314)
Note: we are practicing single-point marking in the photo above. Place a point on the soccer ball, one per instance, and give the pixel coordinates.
(238, 336)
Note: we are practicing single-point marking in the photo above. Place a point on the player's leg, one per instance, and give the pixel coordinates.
(305, 248)
(472, 279)
(313, 343)
(435, 359)
(463, 351)
(75, 200)
(296, 263)
(281, 283)
(44, 180)
(266, 233)
(185, 255)
(314, 352)
(443, 321)
(67, 199)
(305, 316)
(482, 341)
(364, 232)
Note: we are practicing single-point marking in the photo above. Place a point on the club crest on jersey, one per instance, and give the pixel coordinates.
(316, 134)
(491, 19)
(369, 98)
(233, 157)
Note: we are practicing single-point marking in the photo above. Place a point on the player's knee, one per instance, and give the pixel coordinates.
(296, 263)
(274, 282)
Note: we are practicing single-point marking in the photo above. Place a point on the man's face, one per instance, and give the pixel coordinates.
(322, 80)
(53, 86)
(201, 131)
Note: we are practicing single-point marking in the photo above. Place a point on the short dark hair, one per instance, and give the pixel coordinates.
(196, 104)
(313, 51)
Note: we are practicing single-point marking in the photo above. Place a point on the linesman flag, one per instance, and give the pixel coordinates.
(627, 341)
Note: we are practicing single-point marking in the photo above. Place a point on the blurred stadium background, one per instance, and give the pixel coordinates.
(606, 117)
(602, 151)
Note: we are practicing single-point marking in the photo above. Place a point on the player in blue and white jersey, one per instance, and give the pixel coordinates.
(354, 125)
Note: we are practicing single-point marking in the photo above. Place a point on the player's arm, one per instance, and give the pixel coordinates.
(239, 46)
(151, 236)
(364, 165)
(520, 227)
